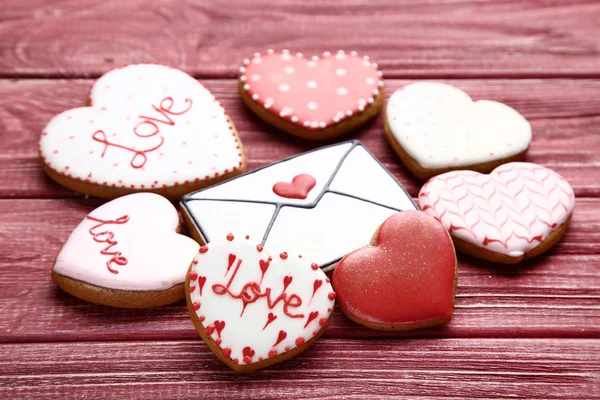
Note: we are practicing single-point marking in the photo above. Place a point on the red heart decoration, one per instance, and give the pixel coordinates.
(312, 93)
(219, 325)
(264, 265)
(407, 280)
(286, 281)
(270, 318)
(299, 188)
(201, 282)
(280, 338)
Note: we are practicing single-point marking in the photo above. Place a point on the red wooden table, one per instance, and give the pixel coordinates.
(531, 331)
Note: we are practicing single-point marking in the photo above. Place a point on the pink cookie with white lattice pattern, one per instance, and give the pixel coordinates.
(149, 128)
(255, 308)
(316, 97)
(516, 212)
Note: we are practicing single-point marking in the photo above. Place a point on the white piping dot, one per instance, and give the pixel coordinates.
(312, 105)
(289, 69)
(342, 91)
(284, 87)
(254, 96)
(256, 77)
(340, 72)
(311, 84)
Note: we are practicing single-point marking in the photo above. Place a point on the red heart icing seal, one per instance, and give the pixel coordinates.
(299, 188)
(307, 96)
(405, 280)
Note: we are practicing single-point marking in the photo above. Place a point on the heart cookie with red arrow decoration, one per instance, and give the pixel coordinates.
(405, 280)
(254, 308)
(317, 97)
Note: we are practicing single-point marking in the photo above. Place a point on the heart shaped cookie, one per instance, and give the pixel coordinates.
(253, 308)
(149, 128)
(435, 128)
(127, 254)
(405, 280)
(316, 98)
(516, 212)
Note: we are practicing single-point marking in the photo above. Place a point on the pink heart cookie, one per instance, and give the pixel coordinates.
(516, 212)
(254, 308)
(149, 128)
(315, 98)
(127, 253)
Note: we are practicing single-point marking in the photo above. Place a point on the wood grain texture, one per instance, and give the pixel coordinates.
(448, 38)
(564, 115)
(332, 369)
(556, 295)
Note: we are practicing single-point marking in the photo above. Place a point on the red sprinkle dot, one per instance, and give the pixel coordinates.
(195, 262)
(287, 348)
(195, 306)
(202, 318)
(299, 255)
(272, 353)
(210, 329)
(235, 361)
(193, 275)
(314, 266)
(248, 360)
(299, 341)
(259, 247)
(191, 289)
(270, 258)
(203, 250)
(323, 321)
(226, 352)
(327, 280)
(260, 358)
(247, 237)
(331, 296)
(283, 255)
(230, 237)
(218, 342)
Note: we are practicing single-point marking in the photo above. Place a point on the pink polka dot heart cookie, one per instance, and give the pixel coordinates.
(255, 307)
(436, 128)
(516, 212)
(148, 128)
(315, 98)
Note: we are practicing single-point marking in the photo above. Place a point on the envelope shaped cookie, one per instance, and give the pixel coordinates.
(321, 204)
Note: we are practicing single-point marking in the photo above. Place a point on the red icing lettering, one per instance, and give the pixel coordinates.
(252, 291)
(108, 238)
(148, 127)
(299, 188)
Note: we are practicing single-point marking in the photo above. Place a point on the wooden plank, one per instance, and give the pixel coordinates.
(557, 295)
(332, 369)
(564, 115)
(410, 39)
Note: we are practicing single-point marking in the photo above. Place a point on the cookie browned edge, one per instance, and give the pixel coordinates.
(321, 134)
(172, 192)
(426, 173)
(420, 324)
(240, 367)
(485, 254)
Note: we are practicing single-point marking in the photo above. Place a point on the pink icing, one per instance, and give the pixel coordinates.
(510, 211)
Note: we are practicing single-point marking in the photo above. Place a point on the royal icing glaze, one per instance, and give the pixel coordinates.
(149, 127)
(256, 304)
(313, 93)
(129, 244)
(510, 211)
(439, 126)
(352, 195)
(408, 278)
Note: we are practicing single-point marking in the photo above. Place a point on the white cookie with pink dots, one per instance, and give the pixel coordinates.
(436, 128)
(256, 307)
(316, 97)
(148, 128)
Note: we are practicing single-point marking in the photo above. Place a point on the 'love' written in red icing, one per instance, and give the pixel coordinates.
(252, 291)
(108, 238)
(148, 127)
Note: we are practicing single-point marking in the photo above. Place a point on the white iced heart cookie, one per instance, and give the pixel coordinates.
(149, 128)
(127, 253)
(516, 212)
(436, 128)
(254, 308)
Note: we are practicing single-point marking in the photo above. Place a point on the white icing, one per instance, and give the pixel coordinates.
(198, 144)
(324, 234)
(510, 211)
(375, 183)
(338, 224)
(219, 217)
(258, 185)
(248, 329)
(157, 257)
(439, 126)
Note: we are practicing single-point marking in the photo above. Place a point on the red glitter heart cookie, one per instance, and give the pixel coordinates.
(316, 98)
(405, 280)
(254, 308)
(149, 128)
